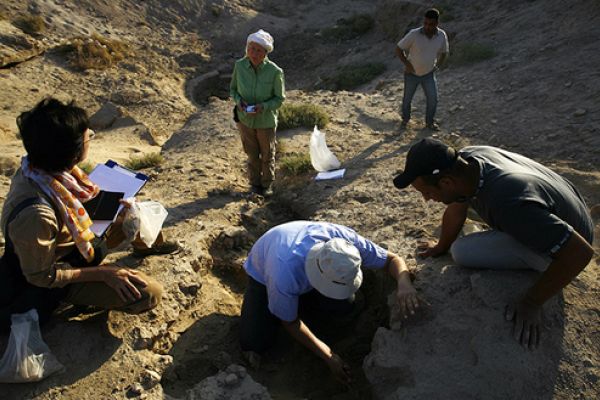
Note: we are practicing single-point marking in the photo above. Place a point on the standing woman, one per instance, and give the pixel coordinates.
(50, 253)
(258, 89)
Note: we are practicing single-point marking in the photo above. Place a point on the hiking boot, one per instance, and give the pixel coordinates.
(433, 126)
(166, 247)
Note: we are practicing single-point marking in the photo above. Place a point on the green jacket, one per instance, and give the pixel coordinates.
(264, 86)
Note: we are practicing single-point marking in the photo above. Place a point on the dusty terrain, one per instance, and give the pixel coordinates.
(539, 95)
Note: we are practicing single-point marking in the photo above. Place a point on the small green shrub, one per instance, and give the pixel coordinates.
(86, 166)
(296, 163)
(470, 53)
(95, 52)
(144, 161)
(352, 76)
(301, 115)
(353, 27)
(30, 24)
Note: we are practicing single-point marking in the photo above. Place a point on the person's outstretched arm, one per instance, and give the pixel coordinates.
(304, 335)
(406, 295)
(452, 222)
(526, 313)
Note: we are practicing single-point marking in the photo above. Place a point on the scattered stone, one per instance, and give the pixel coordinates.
(105, 116)
(143, 338)
(150, 379)
(580, 112)
(233, 384)
(135, 389)
(190, 288)
(15, 46)
(203, 262)
(233, 238)
(231, 380)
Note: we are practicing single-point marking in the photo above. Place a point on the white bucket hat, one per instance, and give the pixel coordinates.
(262, 38)
(333, 268)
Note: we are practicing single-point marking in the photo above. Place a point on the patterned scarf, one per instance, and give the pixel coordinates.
(68, 190)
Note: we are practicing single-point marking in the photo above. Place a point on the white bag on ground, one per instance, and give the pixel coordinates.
(27, 357)
(321, 158)
(152, 217)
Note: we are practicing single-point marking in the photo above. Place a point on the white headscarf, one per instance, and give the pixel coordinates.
(262, 38)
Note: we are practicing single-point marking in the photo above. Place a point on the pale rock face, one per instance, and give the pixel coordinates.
(233, 383)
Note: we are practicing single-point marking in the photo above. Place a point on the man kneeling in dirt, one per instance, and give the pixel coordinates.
(538, 219)
(304, 265)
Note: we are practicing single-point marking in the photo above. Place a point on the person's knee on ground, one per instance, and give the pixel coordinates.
(462, 253)
(151, 296)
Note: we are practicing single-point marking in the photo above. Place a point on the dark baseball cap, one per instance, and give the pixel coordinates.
(426, 157)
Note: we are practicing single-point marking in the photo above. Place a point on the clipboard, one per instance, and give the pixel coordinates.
(112, 177)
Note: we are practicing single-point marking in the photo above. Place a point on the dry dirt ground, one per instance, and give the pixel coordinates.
(539, 95)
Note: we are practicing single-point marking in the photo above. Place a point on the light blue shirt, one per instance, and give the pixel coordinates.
(277, 260)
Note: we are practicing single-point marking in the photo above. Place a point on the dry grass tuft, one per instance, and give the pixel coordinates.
(95, 52)
(296, 163)
(301, 115)
(30, 24)
(144, 161)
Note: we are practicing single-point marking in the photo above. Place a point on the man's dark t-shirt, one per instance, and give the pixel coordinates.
(528, 201)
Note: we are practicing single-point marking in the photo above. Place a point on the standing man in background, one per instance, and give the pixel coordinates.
(422, 51)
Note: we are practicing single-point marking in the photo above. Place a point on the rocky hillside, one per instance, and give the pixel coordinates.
(522, 77)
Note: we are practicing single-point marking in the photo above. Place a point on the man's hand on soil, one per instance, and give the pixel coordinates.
(527, 318)
(429, 248)
(340, 369)
(408, 301)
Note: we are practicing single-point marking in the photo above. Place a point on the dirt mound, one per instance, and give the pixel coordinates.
(536, 95)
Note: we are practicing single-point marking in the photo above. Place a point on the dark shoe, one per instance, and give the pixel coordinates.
(256, 189)
(433, 126)
(166, 247)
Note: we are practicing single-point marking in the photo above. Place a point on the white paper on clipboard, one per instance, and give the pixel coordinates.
(112, 177)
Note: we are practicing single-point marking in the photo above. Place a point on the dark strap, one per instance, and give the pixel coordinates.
(74, 258)
(20, 207)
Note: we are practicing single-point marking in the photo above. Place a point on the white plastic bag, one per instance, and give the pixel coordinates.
(321, 157)
(27, 358)
(152, 216)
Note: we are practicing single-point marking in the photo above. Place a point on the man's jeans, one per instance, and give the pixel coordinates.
(496, 250)
(429, 84)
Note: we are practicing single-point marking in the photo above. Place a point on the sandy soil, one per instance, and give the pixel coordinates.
(537, 96)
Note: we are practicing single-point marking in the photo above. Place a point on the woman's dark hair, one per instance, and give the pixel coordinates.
(53, 134)
(432, 13)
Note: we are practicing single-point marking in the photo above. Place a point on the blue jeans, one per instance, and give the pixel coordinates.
(429, 84)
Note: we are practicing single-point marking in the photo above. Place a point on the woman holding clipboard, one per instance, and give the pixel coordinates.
(50, 253)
